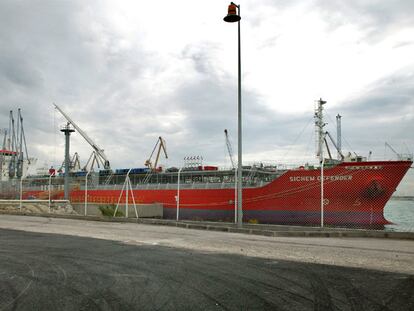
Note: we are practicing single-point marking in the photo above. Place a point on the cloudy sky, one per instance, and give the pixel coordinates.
(130, 71)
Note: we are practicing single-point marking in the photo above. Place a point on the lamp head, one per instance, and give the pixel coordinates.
(232, 15)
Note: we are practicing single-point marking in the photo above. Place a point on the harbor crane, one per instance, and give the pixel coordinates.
(14, 141)
(161, 145)
(98, 154)
(74, 164)
(229, 148)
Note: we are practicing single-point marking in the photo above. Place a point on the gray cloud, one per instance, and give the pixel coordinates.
(375, 19)
(378, 19)
(66, 52)
(384, 113)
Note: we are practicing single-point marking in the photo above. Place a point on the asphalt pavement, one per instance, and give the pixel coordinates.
(60, 264)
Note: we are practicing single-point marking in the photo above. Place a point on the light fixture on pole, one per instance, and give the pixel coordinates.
(233, 15)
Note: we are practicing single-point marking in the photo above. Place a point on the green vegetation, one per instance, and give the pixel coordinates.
(109, 210)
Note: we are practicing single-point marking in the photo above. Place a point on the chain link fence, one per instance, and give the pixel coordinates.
(33, 196)
(352, 196)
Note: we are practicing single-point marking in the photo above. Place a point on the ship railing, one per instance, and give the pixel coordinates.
(209, 181)
(173, 186)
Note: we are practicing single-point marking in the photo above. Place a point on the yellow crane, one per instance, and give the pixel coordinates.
(161, 145)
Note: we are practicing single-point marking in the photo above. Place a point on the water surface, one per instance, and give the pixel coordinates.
(401, 213)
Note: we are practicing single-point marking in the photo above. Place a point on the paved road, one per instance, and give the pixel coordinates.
(59, 264)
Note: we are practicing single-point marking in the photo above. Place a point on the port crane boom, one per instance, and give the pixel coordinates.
(229, 148)
(399, 157)
(161, 145)
(98, 151)
(335, 145)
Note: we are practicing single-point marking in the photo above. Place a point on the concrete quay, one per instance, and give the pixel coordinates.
(256, 229)
(56, 263)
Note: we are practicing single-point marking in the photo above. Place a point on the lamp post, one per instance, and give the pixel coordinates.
(233, 16)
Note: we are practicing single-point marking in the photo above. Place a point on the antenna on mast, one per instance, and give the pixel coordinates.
(319, 124)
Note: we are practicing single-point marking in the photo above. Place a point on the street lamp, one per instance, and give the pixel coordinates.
(233, 15)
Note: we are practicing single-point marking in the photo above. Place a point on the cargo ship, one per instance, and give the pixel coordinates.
(355, 190)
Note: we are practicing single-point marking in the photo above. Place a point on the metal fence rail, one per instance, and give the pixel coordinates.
(307, 199)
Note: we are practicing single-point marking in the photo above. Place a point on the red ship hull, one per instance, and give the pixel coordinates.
(355, 193)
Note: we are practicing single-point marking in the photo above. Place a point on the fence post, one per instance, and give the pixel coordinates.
(86, 193)
(322, 179)
(128, 186)
(178, 194)
(50, 187)
(126, 195)
(21, 193)
(235, 195)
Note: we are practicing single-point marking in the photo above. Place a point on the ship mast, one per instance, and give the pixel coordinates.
(339, 136)
(319, 124)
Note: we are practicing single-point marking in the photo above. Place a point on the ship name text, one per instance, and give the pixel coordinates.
(318, 178)
(364, 167)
